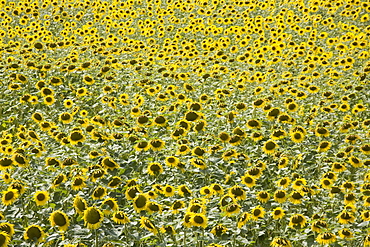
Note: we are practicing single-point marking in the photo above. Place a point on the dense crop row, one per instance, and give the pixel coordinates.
(175, 123)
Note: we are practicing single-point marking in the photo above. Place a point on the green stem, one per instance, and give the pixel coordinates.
(96, 238)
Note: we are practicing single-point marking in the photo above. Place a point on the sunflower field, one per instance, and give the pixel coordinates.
(185, 123)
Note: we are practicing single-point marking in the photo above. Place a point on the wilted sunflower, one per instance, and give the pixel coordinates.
(93, 217)
(119, 217)
(319, 225)
(34, 233)
(59, 219)
(41, 197)
(168, 230)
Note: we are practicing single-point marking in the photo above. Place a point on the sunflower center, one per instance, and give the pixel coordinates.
(198, 219)
(34, 232)
(41, 197)
(59, 219)
(141, 201)
(93, 216)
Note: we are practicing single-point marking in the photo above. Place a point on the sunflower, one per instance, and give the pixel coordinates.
(323, 146)
(78, 183)
(278, 213)
(4, 239)
(169, 190)
(219, 230)
(8, 228)
(280, 196)
(299, 183)
(41, 197)
(269, 147)
(257, 212)
(256, 136)
(198, 219)
(278, 134)
(79, 204)
(365, 215)
(355, 162)
(283, 182)
(199, 163)
(206, 191)
(319, 225)
(346, 217)
(237, 192)
(142, 146)
(155, 168)
(76, 137)
(296, 197)
(297, 220)
(109, 205)
(59, 219)
(172, 161)
(326, 183)
(9, 196)
(349, 198)
(322, 132)
(109, 163)
(297, 136)
(231, 209)
(176, 206)
(140, 202)
(280, 242)
(93, 217)
(34, 233)
(157, 144)
(99, 193)
(367, 240)
(65, 118)
(198, 151)
(338, 167)
(345, 233)
(326, 238)
(119, 217)
(147, 224)
(248, 180)
(5, 163)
